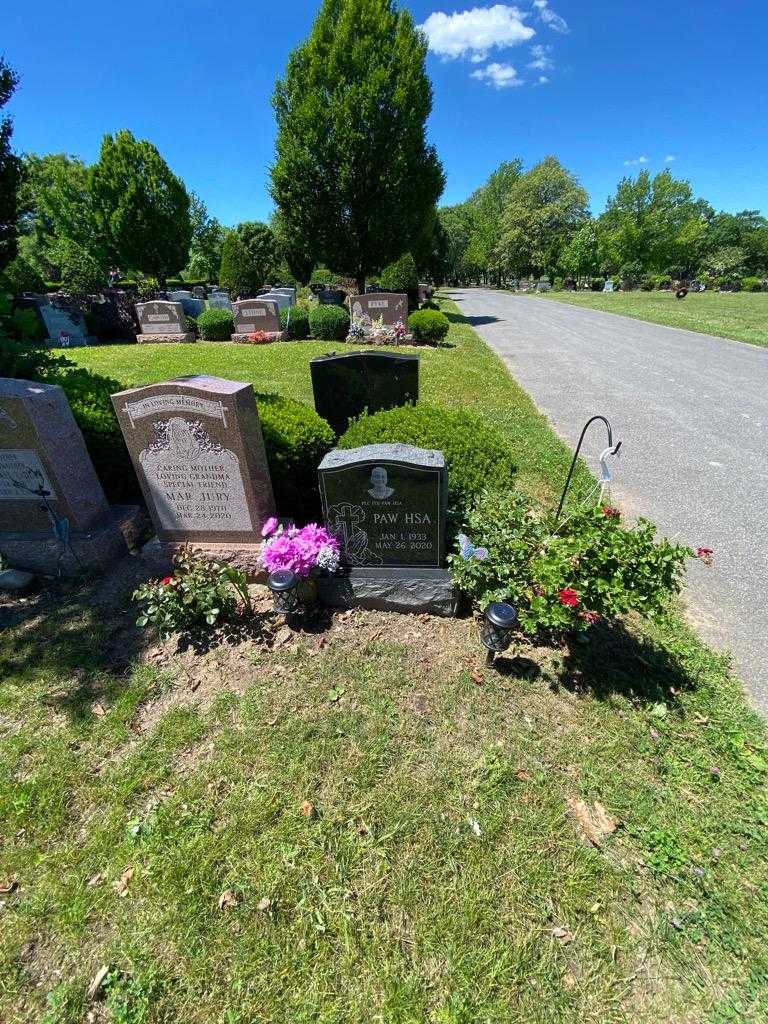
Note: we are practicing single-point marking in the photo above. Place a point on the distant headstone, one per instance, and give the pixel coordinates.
(389, 307)
(197, 446)
(344, 386)
(198, 291)
(162, 321)
(543, 286)
(219, 300)
(331, 297)
(387, 505)
(608, 286)
(64, 323)
(192, 305)
(252, 315)
(290, 292)
(54, 516)
(282, 300)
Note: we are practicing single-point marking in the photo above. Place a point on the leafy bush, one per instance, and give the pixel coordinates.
(199, 593)
(296, 439)
(191, 325)
(558, 285)
(215, 325)
(329, 323)
(565, 576)
(428, 325)
(114, 320)
(296, 322)
(474, 452)
(596, 284)
(81, 274)
(20, 276)
(751, 284)
(27, 326)
(402, 276)
(21, 355)
(663, 282)
(648, 284)
(323, 278)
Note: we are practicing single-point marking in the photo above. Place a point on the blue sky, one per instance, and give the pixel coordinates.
(657, 84)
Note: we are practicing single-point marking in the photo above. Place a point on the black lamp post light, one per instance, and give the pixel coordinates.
(496, 631)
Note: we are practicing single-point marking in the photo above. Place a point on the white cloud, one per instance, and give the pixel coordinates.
(475, 32)
(636, 161)
(669, 159)
(500, 76)
(541, 61)
(543, 80)
(548, 16)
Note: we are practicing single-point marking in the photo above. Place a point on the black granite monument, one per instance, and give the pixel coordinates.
(387, 503)
(344, 386)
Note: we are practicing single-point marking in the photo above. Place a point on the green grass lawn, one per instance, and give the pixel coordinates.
(441, 874)
(741, 316)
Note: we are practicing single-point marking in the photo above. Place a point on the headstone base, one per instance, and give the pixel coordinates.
(159, 339)
(240, 556)
(244, 339)
(392, 590)
(93, 550)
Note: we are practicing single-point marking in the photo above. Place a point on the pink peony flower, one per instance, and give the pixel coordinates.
(269, 527)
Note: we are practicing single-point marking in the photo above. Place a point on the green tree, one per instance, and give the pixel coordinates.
(58, 210)
(580, 257)
(748, 231)
(727, 262)
(142, 208)
(10, 172)
(544, 209)
(207, 239)
(259, 243)
(292, 250)
(354, 176)
(655, 223)
(457, 223)
(236, 272)
(487, 209)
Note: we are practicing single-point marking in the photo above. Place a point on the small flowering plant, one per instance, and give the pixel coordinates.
(308, 551)
(199, 593)
(566, 575)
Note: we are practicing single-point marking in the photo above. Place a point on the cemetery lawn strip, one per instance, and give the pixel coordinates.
(742, 316)
(391, 830)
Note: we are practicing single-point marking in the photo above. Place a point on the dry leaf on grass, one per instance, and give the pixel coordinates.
(98, 980)
(522, 775)
(227, 900)
(307, 809)
(477, 676)
(96, 880)
(562, 935)
(283, 636)
(98, 710)
(594, 821)
(264, 904)
(121, 885)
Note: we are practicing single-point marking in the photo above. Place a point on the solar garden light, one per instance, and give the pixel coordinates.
(499, 621)
(284, 586)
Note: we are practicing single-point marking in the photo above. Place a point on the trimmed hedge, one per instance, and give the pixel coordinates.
(296, 324)
(329, 323)
(215, 325)
(477, 455)
(428, 325)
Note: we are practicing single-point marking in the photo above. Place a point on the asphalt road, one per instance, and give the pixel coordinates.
(692, 411)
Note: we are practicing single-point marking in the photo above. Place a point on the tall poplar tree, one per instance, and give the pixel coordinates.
(354, 177)
(10, 172)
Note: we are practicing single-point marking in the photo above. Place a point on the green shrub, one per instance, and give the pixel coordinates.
(430, 304)
(27, 326)
(558, 285)
(296, 322)
(663, 281)
(322, 277)
(81, 274)
(428, 325)
(20, 276)
(402, 276)
(296, 439)
(191, 325)
(566, 576)
(475, 453)
(648, 284)
(215, 325)
(751, 284)
(329, 323)
(596, 284)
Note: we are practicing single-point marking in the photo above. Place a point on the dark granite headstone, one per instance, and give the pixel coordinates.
(64, 323)
(197, 447)
(192, 305)
(219, 300)
(344, 386)
(389, 307)
(387, 505)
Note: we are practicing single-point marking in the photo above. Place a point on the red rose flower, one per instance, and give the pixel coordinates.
(611, 512)
(568, 597)
(166, 580)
